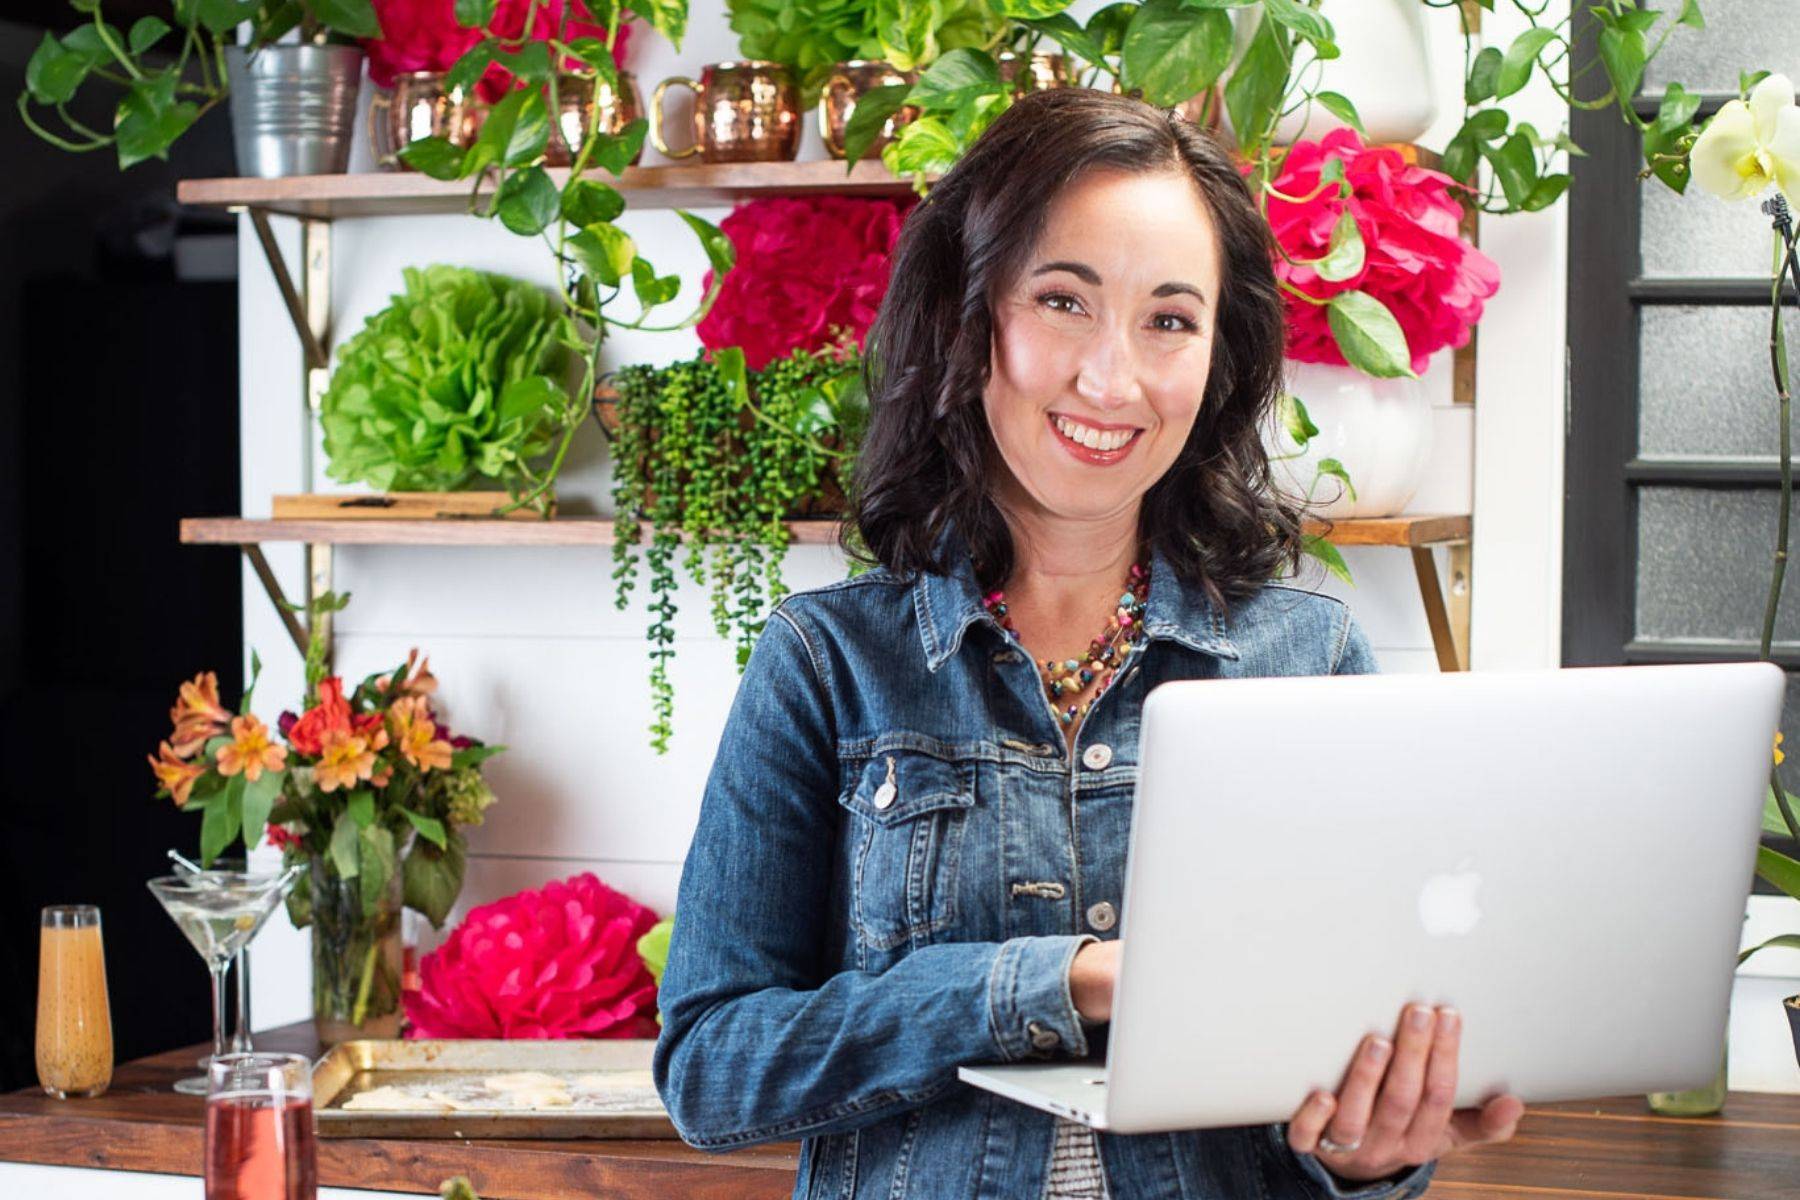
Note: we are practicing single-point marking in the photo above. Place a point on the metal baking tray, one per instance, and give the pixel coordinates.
(353, 1067)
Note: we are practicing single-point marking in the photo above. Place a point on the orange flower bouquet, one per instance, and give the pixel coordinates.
(371, 792)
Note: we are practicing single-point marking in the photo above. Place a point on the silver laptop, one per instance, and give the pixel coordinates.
(1564, 855)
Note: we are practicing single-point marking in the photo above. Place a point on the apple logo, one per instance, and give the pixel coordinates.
(1447, 905)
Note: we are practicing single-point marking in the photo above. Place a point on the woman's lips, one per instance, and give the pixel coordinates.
(1099, 458)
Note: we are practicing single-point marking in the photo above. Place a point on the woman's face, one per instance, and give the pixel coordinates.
(1102, 346)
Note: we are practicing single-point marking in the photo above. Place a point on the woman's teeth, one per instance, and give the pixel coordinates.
(1092, 438)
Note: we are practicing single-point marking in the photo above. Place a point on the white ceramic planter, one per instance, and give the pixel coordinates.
(1384, 68)
(1379, 429)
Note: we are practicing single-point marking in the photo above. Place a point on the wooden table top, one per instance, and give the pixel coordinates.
(1613, 1149)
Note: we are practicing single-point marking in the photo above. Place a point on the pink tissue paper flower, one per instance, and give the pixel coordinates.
(559, 962)
(422, 35)
(1417, 263)
(805, 265)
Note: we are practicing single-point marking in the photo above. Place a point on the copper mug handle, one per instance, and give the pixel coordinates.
(835, 147)
(656, 115)
(385, 155)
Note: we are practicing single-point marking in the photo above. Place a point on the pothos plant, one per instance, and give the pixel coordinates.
(711, 453)
(167, 76)
(578, 222)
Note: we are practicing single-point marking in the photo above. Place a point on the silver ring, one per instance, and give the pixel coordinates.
(1331, 1147)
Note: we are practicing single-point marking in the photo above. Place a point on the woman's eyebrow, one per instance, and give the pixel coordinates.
(1088, 275)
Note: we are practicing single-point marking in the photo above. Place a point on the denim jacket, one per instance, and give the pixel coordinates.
(841, 946)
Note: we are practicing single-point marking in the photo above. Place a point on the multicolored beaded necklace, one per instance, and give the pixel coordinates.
(1071, 676)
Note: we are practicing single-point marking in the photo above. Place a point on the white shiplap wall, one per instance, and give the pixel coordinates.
(533, 654)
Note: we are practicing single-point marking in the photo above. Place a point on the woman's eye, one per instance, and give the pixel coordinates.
(1053, 299)
(1180, 323)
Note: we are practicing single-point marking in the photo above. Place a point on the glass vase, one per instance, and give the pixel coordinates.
(357, 954)
(1696, 1102)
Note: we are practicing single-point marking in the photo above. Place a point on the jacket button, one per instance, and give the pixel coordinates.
(884, 795)
(1097, 756)
(1042, 1036)
(1102, 916)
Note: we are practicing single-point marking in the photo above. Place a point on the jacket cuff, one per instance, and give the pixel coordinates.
(1029, 1006)
(1405, 1186)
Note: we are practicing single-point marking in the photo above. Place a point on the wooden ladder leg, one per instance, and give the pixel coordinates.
(1451, 656)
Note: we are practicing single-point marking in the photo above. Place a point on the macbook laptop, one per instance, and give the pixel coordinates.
(1564, 855)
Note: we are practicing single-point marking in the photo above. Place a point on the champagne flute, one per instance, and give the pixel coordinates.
(259, 1128)
(220, 912)
(74, 1019)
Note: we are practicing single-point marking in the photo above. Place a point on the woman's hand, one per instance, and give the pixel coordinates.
(1091, 976)
(1397, 1114)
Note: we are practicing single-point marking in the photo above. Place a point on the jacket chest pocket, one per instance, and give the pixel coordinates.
(910, 810)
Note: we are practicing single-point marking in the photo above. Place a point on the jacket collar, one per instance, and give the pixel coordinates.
(948, 604)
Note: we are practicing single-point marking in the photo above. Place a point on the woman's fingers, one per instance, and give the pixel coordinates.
(1309, 1120)
(1355, 1097)
(1399, 1098)
(1495, 1121)
(1424, 1137)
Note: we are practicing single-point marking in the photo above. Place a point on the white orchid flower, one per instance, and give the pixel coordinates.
(1747, 147)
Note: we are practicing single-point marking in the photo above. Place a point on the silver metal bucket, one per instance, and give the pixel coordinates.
(293, 108)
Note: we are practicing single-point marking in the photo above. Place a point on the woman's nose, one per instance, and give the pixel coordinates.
(1108, 373)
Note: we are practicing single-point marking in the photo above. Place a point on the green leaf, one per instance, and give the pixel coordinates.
(531, 132)
(652, 289)
(1174, 53)
(614, 152)
(589, 202)
(1521, 56)
(1304, 21)
(472, 756)
(1340, 107)
(1484, 76)
(1029, 9)
(531, 63)
(605, 251)
(353, 17)
(1779, 870)
(956, 79)
(1622, 54)
(150, 119)
(667, 17)
(361, 807)
(1784, 941)
(467, 71)
(216, 829)
(870, 116)
(474, 14)
(1772, 821)
(1368, 335)
(52, 73)
(433, 877)
(259, 799)
(1258, 83)
(1322, 549)
(433, 156)
(1691, 15)
(1335, 469)
(1515, 166)
(527, 201)
(430, 828)
(1066, 32)
(146, 32)
(1345, 256)
(343, 847)
(1546, 191)
(720, 252)
(223, 16)
(653, 947)
(1297, 421)
(376, 849)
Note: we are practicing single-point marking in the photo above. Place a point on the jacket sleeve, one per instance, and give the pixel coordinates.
(1354, 656)
(761, 1040)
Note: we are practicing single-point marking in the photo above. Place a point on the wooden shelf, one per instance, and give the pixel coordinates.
(1413, 531)
(400, 193)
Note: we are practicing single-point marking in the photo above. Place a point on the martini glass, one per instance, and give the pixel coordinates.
(220, 912)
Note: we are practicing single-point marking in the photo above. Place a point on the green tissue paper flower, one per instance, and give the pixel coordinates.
(459, 377)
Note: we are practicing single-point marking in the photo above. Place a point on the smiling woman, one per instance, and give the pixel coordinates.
(911, 848)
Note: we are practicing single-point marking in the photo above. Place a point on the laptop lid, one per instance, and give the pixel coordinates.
(1564, 855)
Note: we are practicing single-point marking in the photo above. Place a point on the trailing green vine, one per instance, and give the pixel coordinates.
(710, 454)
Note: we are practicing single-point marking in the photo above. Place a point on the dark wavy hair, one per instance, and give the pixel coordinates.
(928, 452)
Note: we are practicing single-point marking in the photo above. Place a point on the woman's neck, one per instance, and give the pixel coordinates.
(1062, 568)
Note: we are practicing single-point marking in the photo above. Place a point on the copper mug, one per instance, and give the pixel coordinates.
(745, 111)
(848, 83)
(419, 107)
(591, 102)
(1043, 71)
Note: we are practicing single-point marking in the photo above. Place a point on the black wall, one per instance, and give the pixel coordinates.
(118, 416)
